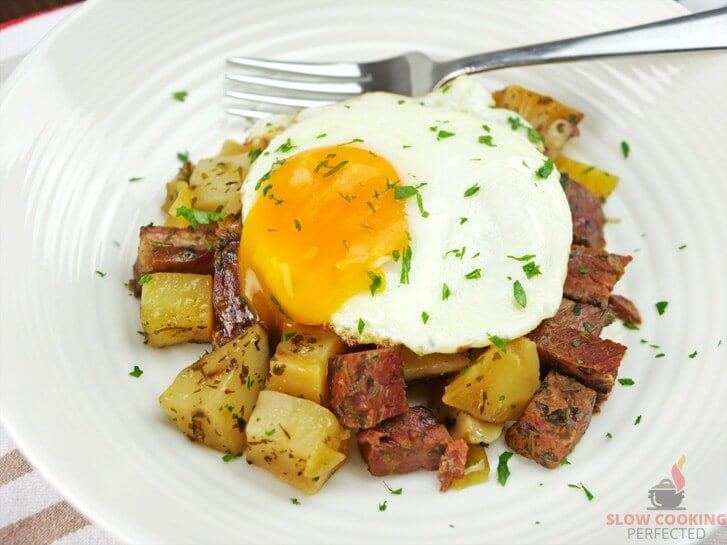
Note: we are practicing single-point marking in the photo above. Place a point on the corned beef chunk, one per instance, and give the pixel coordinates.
(588, 218)
(624, 309)
(571, 314)
(452, 464)
(592, 275)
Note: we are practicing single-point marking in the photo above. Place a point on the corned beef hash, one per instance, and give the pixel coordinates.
(343, 253)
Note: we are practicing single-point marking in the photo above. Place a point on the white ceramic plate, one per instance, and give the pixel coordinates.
(91, 107)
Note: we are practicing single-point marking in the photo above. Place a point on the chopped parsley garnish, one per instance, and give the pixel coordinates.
(335, 168)
(270, 432)
(626, 381)
(361, 325)
(472, 275)
(462, 220)
(545, 170)
(395, 492)
(289, 335)
(472, 190)
(253, 154)
(609, 435)
(183, 156)
(503, 472)
(661, 307)
(101, 273)
(565, 461)
(531, 269)
(637, 421)
(526, 257)
(145, 279)
(682, 247)
(445, 292)
(195, 217)
(228, 456)
(354, 141)
(286, 146)
(519, 293)
(180, 96)
(298, 226)
(515, 123)
(625, 149)
(660, 355)
(486, 140)
(444, 134)
(382, 506)
(425, 317)
(405, 265)
(322, 135)
(457, 252)
(294, 501)
(376, 281)
(136, 372)
(446, 87)
(496, 341)
(403, 192)
(693, 355)
(564, 181)
(581, 486)
(395, 255)
(533, 136)
(631, 325)
(135, 179)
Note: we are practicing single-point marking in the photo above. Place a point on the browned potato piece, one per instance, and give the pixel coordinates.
(211, 400)
(178, 195)
(177, 308)
(554, 121)
(295, 439)
(475, 431)
(215, 182)
(300, 364)
(498, 386)
(432, 365)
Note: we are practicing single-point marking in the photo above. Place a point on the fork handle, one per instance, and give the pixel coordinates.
(697, 32)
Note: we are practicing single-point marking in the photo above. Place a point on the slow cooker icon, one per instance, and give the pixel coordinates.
(664, 496)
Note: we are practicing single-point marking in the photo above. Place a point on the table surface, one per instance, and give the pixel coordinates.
(32, 512)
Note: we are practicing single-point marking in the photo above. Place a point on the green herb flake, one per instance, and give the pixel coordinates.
(533, 136)
(661, 307)
(609, 435)
(297, 224)
(376, 282)
(660, 355)
(395, 255)
(101, 274)
(270, 432)
(503, 472)
(463, 220)
(286, 146)
(353, 141)
(500, 344)
(444, 134)
(545, 170)
(136, 372)
(145, 279)
(405, 265)
(445, 292)
(515, 123)
(395, 492)
(253, 154)
(382, 506)
(135, 179)
(196, 217)
(361, 326)
(322, 135)
(626, 381)
(425, 317)
(473, 275)
(457, 252)
(228, 456)
(183, 156)
(625, 149)
(693, 355)
(526, 257)
(637, 421)
(335, 168)
(295, 501)
(289, 335)
(472, 190)
(631, 325)
(682, 247)
(180, 96)
(446, 87)
(565, 461)
(582, 487)
(519, 293)
(486, 140)
(531, 269)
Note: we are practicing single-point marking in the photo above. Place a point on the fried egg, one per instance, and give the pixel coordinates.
(429, 223)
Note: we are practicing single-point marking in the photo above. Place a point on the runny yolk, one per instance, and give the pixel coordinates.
(324, 223)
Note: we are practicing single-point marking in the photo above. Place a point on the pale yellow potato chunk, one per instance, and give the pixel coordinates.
(178, 196)
(498, 386)
(475, 431)
(300, 364)
(211, 400)
(597, 181)
(295, 439)
(177, 308)
(432, 365)
(215, 182)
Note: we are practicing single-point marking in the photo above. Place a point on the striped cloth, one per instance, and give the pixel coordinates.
(31, 511)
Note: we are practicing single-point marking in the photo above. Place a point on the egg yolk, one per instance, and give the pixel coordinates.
(324, 223)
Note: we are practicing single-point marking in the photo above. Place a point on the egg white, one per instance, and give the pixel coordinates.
(513, 213)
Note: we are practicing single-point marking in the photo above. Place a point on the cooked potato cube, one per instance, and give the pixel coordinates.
(498, 386)
(177, 308)
(476, 469)
(433, 365)
(555, 122)
(216, 181)
(178, 195)
(300, 364)
(475, 431)
(211, 400)
(597, 181)
(297, 440)
(231, 147)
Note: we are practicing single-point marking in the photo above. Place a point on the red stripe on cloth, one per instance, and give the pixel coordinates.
(13, 22)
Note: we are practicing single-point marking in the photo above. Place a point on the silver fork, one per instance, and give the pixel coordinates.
(275, 86)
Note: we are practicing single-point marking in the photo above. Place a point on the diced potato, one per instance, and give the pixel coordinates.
(178, 195)
(498, 386)
(475, 431)
(554, 121)
(433, 365)
(297, 440)
(177, 308)
(300, 364)
(211, 400)
(216, 181)
(231, 147)
(476, 469)
(597, 181)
